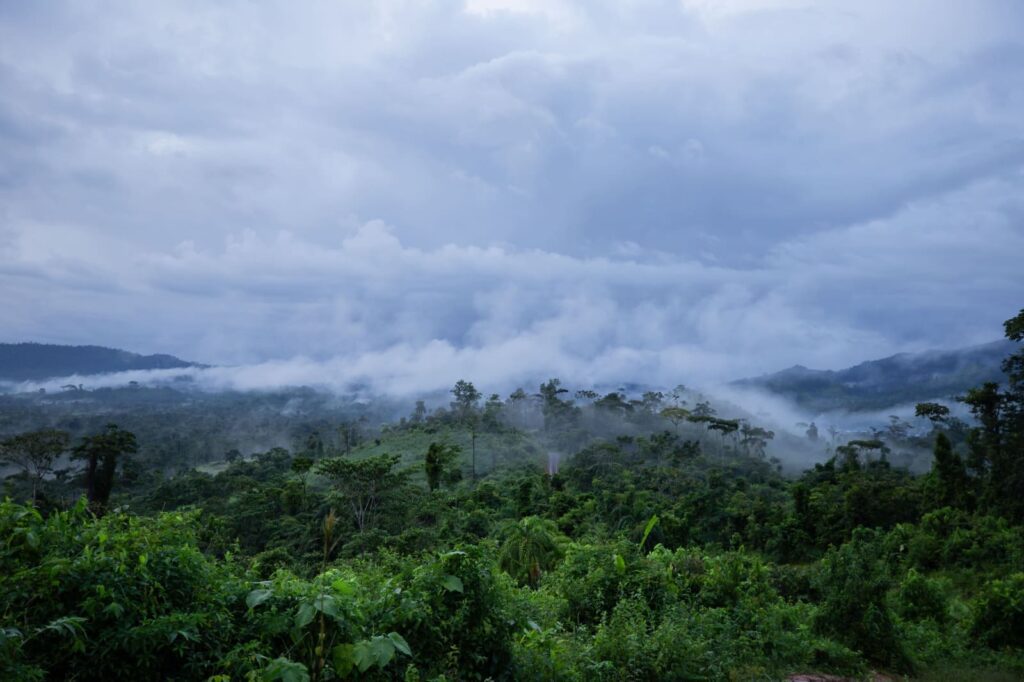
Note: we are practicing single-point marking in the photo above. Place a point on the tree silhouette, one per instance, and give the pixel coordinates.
(101, 453)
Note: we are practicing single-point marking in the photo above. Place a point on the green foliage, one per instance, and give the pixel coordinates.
(948, 481)
(921, 597)
(853, 582)
(361, 484)
(437, 462)
(666, 546)
(999, 613)
(129, 598)
(34, 453)
(531, 547)
(137, 590)
(102, 452)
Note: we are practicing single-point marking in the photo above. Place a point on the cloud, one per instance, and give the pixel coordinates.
(433, 190)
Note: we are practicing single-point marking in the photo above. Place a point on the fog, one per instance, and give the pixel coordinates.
(394, 381)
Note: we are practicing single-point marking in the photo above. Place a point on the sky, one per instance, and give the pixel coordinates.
(416, 192)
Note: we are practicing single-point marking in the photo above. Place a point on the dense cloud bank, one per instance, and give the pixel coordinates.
(406, 194)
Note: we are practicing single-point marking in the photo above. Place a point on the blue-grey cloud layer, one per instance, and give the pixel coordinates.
(616, 190)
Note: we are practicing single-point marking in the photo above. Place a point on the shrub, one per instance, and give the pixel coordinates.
(999, 613)
(920, 597)
(853, 583)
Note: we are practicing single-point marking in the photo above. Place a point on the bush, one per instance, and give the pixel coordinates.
(853, 583)
(920, 597)
(999, 613)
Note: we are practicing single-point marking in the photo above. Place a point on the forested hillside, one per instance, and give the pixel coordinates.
(549, 535)
(878, 384)
(37, 361)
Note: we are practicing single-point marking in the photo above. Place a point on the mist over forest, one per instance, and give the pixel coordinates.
(498, 340)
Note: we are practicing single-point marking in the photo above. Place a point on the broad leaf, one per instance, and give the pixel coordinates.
(452, 583)
(257, 597)
(343, 658)
(362, 656)
(383, 650)
(343, 587)
(327, 604)
(400, 643)
(304, 616)
(647, 531)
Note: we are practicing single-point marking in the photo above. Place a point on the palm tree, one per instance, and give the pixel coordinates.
(531, 547)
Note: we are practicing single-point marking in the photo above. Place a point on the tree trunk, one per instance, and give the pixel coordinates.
(473, 445)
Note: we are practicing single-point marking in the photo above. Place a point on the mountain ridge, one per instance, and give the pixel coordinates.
(893, 380)
(31, 361)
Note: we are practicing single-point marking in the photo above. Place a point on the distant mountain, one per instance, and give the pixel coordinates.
(899, 379)
(38, 361)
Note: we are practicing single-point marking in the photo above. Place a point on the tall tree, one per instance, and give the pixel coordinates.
(492, 412)
(467, 398)
(996, 445)
(465, 409)
(419, 413)
(101, 453)
(936, 413)
(851, 452)
(438, 459)
(34, 453)
(676, 415)
(948, 477)
(362, 483)
(724, 427)
(315, 445)
(755, 440)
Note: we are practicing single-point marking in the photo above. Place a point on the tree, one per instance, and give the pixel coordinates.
(101, 453)
(531, 547)
(614, 403)
(553, 407)
(466, 398)
(933, 412)
(34, 453)
(851, 452)
(853, 582)
(703, 409)
(651, 401)
(986, 440)
(898, 429)
(724, 428)
(492, 412)
(518, 403)
(464, 407)
(419, 413)
(301, 467)
(362, 483)
(348, 436)
(996, 445)
(949, 477)
(755, 439)
(315, 445)
(676, 415)
(439, 457)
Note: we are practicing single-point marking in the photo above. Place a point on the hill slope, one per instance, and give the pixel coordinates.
(37, 361)
(876, 384)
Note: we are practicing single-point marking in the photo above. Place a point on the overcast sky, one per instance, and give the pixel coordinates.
(654, 191)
